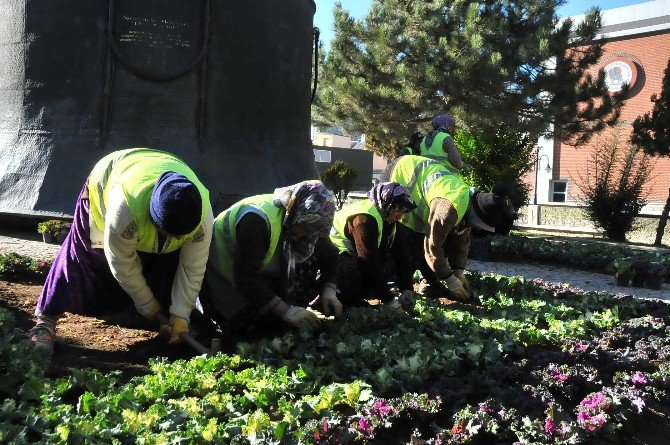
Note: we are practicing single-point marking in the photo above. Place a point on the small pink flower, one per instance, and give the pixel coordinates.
(382, 408)
(485, 408)
(325, 425)
(591, 423)
(365, 427)
(579, 346)
(549, 426)
(638, 379)
(559, 376)
(597, 401)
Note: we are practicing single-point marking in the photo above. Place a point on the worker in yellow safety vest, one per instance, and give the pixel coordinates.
(440, 226)
(364, 232)
(261, 246)
(142, 228)
(439, 143)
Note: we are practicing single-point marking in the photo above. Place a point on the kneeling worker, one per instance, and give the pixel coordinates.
(448, 208)
(142, 227)
(364, 232)
(257, 246)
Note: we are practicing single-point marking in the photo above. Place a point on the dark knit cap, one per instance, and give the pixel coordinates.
(494, 209)
(176, 205)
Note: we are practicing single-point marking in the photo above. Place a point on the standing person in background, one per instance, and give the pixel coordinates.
(142, 227)
(439, 143)
(413, 146)
(439, 228)
(364, 232)
(259, 246)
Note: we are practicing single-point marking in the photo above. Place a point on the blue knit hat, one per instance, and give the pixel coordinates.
(176, 205)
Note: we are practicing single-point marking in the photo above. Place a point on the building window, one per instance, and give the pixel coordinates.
(322, 155)
(559, 191)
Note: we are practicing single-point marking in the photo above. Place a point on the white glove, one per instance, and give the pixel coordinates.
(300, 317)
(458, 273)
(394, 305)
(329, 301)
(456, 288)
(407, 297)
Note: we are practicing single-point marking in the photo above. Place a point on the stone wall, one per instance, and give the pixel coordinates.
(573, 218)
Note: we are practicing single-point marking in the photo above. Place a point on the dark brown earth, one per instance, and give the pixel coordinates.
(125, 342)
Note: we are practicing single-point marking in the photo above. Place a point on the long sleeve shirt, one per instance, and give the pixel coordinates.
(119, 241)
(363, 231)
(253, 241)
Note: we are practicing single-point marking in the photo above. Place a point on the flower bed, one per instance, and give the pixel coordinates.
(533, 363)
(16, 267)
(578, 254)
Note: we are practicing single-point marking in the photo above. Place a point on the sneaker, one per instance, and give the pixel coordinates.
(43, 337)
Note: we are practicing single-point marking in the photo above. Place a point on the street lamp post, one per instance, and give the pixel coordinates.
(538, 160)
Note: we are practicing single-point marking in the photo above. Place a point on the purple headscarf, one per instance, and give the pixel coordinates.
(391, 196)
(310, 206)
(443, 122)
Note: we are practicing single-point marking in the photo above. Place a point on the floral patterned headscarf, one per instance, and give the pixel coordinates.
(389, 197)
(310, 206)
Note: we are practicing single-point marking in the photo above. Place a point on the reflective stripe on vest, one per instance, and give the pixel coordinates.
(225, 233)
(136, 171)
(436, 151)
(427, 179)
(337, 232)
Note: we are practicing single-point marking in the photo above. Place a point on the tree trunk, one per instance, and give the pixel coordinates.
(662, 222)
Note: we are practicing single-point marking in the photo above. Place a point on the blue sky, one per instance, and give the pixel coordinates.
(324, 11)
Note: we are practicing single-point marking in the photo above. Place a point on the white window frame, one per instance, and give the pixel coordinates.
(322, 156)
(554, 192)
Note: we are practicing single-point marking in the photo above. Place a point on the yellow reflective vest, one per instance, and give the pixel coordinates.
(136, 170)
(362, 207)
(436, 150)
(225, 233)
(427, 179)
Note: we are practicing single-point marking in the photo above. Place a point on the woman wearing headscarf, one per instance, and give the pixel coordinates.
(364, 232)
(439, 143)
(142, 228)
(258, 245)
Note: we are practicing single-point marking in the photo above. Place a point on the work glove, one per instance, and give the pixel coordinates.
(458, 292)
(149, 309)
(174, 330)
(458, 273)
(300, 317)
(394, 305)
(329, 301)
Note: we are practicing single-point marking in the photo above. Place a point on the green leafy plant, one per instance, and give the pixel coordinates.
(497, 157)
(340, 178)
(16, 267)
(613, 186)
(53, 226)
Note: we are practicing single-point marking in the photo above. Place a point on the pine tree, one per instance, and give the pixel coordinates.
(651, 132)
(494, 64)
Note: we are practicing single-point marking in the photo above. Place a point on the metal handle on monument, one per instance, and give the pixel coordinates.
(317, 33)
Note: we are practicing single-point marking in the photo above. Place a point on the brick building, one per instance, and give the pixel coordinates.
(636, 51)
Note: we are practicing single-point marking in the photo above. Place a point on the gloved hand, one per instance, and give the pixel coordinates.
(407, 298)
(300, 317)
(458, 292)
(394, 305)
(458, 273)
(174, 330)
(150, 309)
(329, 301)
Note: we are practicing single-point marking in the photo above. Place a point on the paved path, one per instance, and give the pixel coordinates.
(28, 244)
(576, 278)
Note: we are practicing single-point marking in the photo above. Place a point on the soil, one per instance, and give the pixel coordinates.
(120, 341)
(112, 344)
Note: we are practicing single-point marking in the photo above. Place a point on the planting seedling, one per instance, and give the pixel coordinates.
(656, 273)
